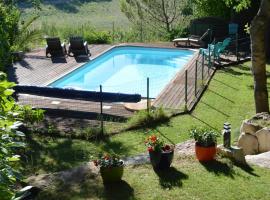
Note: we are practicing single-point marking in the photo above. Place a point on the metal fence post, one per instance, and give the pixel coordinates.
(148, 99)
(196, 71)
(236, 47)
(141, 31)
(101, 111)
(202, 68)
(186, 79)
(113, 29)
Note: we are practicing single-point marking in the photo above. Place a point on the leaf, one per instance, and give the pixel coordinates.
(20, 134)
(14, 158)
(16, 125)
(8, 92)
(4, 150)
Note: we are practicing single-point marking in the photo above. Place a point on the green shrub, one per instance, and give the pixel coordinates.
(144, 118)
(11, 139)
(204, 137)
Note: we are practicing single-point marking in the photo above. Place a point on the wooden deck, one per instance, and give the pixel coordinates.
(173, 95)
(38, 70)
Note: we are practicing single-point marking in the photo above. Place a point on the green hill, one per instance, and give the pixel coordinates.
(100, 14)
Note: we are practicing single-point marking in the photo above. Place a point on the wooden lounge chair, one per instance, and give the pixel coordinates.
(192, 40)
(55, 48)
(77, 47)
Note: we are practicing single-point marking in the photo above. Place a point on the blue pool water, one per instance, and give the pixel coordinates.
(125, 70)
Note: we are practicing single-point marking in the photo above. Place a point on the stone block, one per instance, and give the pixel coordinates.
(234, 153)
(249, 143)
(263, 137)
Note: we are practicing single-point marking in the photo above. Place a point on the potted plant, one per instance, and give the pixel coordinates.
(161, 154)
(206, 143)
(111, 168)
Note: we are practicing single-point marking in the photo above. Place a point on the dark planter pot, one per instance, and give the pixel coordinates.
(161, 160)
(205, 153)
(112, 174)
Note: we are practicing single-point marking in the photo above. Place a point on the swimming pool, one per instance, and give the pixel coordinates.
(125, 70)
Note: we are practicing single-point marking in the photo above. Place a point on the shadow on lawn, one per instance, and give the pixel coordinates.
(51, 154)
(248, 169)
(170, 178)
(204, 122)
(120, 190)
(219, 168)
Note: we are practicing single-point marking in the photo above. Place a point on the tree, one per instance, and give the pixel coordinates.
(161, 15)
(258, 29)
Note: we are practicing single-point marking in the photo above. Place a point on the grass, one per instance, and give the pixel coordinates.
(100, 14)
(186, 179)
(229, 98)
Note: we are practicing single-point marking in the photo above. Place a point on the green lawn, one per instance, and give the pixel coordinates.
(187, 179)
(100, 14)
(229, 98)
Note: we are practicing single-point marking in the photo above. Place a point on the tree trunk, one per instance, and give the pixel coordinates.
(257, 33)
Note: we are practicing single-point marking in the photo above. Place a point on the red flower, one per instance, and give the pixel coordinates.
(150, 149)
(167, 147)
(153, 138)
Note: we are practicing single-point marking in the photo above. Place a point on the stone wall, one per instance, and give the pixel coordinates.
(255, 134)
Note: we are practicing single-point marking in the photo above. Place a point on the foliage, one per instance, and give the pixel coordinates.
(154, 143)
(160, 17)
(9, 18)
(219, 8)
(204, 137)
(144, 118)
(28, 115)
(26, 35)
(11, 139)
(107, 161)
(216, 8)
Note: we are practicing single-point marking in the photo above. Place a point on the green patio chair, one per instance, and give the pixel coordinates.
(216, 50)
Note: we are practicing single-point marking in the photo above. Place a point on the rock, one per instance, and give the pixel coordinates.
(248, 143)
(263, 116)
(234, 153)
(249, 127)
(263, 137)
(262, 160)
(137, 160)
(186, 148)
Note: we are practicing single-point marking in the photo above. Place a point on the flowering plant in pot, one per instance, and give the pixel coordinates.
(206, 142)
(161, 154)
(111, 168)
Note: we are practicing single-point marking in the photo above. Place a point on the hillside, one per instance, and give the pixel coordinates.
(64, 13)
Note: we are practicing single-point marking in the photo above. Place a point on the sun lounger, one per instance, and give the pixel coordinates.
(192, 40)
(54, 48)
(77, 47)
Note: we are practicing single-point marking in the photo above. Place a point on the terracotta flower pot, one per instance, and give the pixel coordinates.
(161, 160)
(111, 174)
(205, 153)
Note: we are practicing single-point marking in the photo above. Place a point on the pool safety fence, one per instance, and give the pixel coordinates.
(97, 107)
(181, 94)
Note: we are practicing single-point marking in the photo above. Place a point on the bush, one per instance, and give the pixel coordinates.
(144, 118)
(11, 139)
(204, 137)
(97, 37)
